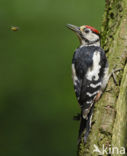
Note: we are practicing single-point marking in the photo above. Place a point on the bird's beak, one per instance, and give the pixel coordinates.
(74, 28)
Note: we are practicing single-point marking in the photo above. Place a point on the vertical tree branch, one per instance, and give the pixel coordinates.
(110, 113)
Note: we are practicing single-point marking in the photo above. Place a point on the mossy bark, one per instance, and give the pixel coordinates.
(110, 114)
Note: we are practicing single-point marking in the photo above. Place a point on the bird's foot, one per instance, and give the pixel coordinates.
(98, 96)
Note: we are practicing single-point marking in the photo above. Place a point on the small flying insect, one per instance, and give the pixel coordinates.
(14, 28)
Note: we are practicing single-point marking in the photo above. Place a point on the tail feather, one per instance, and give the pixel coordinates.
(85, 125)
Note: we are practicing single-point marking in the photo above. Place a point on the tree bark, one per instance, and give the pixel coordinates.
(110, 113)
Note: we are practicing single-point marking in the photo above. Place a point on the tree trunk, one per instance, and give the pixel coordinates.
(110, 113)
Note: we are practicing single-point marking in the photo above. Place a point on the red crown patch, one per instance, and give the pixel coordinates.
(93, 29)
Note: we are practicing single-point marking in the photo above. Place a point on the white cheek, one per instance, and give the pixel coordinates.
(92, 37)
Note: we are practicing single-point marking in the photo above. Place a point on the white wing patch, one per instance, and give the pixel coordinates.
(74, 76)
(95, 85)
(94, 71)
(89, 102)
(91, 94)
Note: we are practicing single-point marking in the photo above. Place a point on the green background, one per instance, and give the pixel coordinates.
(37, 101)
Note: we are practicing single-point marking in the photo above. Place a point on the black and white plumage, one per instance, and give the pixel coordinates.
(88, 67)
(89, 73)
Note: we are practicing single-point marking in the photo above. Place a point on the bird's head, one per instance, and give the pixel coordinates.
(86, 34)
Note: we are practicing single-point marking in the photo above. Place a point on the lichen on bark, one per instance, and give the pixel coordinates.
(110, 113)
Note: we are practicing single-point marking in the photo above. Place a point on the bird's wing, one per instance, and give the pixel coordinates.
(87, 68)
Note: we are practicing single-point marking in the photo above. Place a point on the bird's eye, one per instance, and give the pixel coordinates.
(86, 31)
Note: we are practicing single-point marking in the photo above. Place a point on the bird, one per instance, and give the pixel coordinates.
(89, 73)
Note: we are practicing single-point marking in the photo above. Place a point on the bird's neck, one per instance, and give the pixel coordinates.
(97, 43)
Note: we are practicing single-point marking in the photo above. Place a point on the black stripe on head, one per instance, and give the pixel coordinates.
(90, 42)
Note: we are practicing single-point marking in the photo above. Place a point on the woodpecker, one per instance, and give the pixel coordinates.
(89, 73)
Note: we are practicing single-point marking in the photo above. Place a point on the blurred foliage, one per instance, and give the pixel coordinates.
(37, 100)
